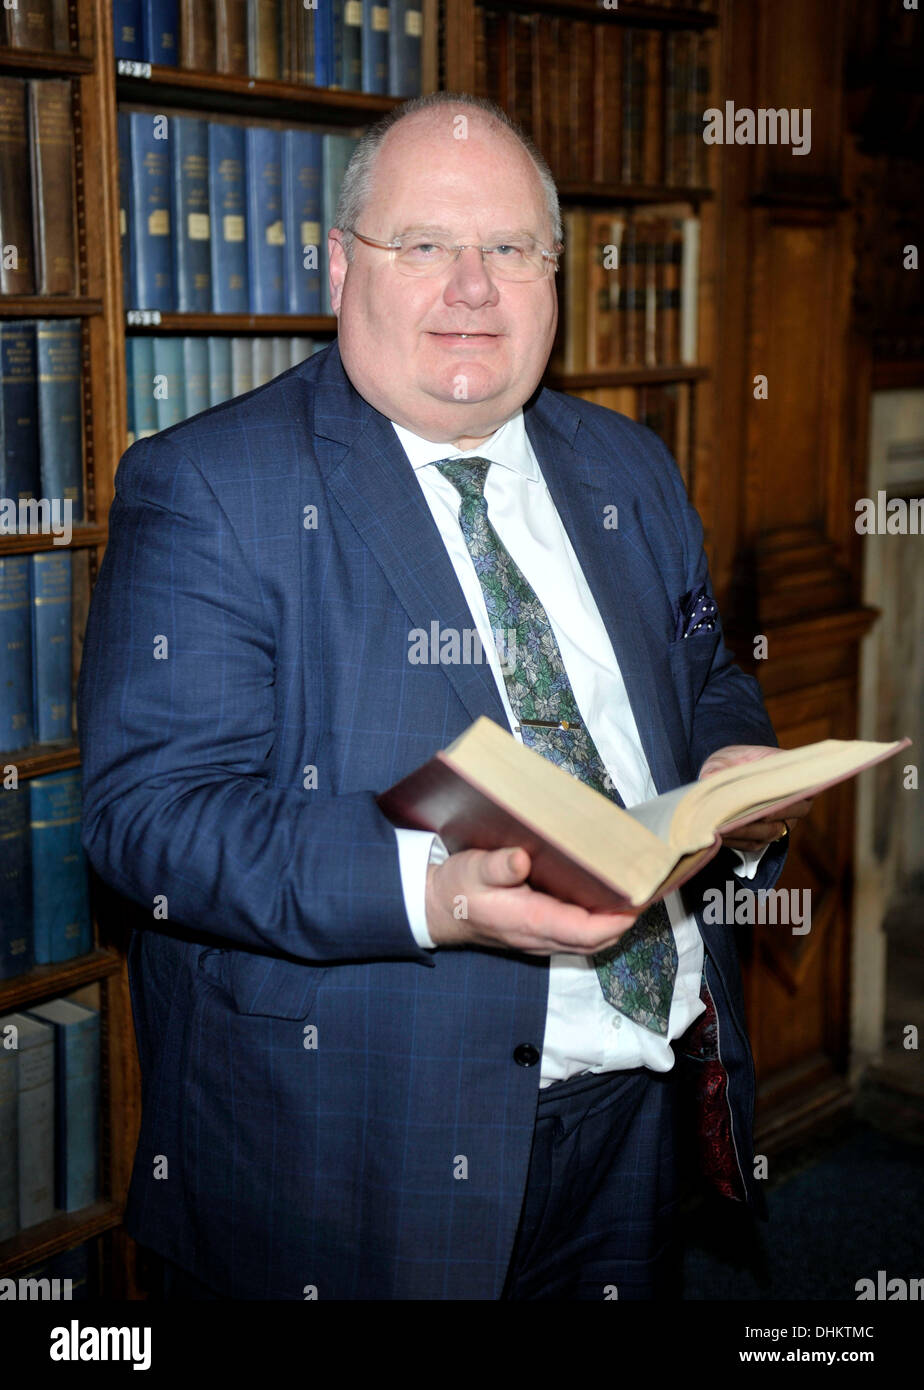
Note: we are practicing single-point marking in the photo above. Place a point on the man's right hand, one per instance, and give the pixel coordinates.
(480, 898)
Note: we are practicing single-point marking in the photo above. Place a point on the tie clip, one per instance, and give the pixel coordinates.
(550, 724)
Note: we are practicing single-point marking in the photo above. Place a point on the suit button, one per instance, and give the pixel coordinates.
(525, 1055)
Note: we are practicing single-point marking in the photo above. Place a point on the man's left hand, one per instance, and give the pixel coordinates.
(760, 832)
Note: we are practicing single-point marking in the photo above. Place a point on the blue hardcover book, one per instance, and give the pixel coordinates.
(60, 890)
(191, 239)
(265, 228)
(127, 30)
(9, 1134)
(59, 412)
(348, 44)
(241, 366)
(151, 208)
(219, 370)
(16, 946)
(195, 376)
(35, 1117)
(299, 350)
(16, 723)
(261, 357)
(126, 242)
(228, 218)
(404, 43)
(280, 361)
(140, 353)
(301, 203)
(338, 151)
(375, 43)
(169, 391)
(51, 645)
(160, 30)
(19, 437)
(324, 45)
(76, 1031)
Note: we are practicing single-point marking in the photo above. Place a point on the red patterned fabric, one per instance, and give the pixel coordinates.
(717, 1159)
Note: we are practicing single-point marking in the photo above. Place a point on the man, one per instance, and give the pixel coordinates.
(372, 1071)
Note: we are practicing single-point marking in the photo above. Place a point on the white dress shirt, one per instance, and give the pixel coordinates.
(583, 1032)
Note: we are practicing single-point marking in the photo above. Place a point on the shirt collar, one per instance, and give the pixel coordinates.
(509, 446)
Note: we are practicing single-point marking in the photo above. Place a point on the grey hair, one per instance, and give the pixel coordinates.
(357, 181)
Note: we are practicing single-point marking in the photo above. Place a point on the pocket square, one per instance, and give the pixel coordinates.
(697, 612)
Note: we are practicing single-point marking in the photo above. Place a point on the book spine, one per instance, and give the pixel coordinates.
(337, 152)
(324, 67)
(152, 211)
(280, 355)
(608, 77)
(127, 30)
(9, 1138)
(653, 98)
(261, 359)
(195, 375)
(301, 155)
(191, 232)
(51, 645)
(17, 267)
(60, 895)
(228, 215)
(265, 227)
(241, 366)
(160, 30)
(169, 393)
(375, 40)
(404, 48)
(582, 119)
(16, 944)
(59, 412)
(197, 35)
(126, 242)
(36, 1121)
(348, 54)
(15, 663)
(31, 25)
(19, 437)
(53, 186)
(141, 385)
(633, 105)
(76, 1113)
(231, 36)
(263, 39)
(219, 350)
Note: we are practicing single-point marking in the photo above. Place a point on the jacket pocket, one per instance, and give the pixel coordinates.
(263, 986)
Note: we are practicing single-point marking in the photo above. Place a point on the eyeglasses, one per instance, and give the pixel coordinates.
(519, 258)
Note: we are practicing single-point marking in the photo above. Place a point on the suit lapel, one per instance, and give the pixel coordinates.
(369, 474)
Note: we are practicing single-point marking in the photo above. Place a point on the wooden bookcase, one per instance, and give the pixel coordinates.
(743, 203)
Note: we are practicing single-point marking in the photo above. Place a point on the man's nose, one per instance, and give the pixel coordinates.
(469, 280)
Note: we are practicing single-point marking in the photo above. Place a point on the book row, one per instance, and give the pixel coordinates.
(37, 187)
(41, 25)
(630, 288)
(172, 378)
(223, 217)
(49, 1112)
(43, 870)
(359, 45)
(36, 646)
(604, 102)
(41, 435)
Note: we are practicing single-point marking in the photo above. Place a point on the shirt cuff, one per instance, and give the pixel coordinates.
(750, 859)
(416, 850)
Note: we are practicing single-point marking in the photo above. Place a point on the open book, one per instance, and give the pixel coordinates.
(487, 790)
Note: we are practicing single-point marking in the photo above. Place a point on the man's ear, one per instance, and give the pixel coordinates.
(337, 264)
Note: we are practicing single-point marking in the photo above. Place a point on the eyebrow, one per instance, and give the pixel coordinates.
(505, 232)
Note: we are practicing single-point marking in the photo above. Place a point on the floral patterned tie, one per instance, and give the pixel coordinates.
(637, 974)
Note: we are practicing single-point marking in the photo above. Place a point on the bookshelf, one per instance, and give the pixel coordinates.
(453, 57)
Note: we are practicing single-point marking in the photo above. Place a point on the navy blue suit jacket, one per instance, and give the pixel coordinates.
(231, 650)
